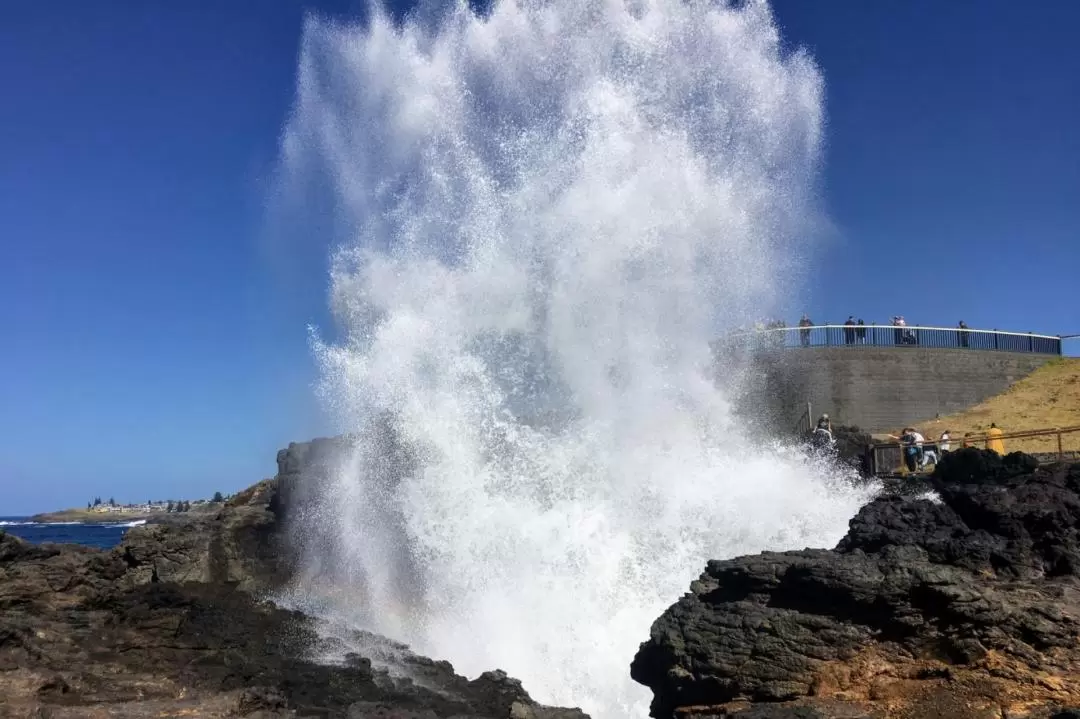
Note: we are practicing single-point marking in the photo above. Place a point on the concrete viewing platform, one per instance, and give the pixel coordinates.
(882, 377)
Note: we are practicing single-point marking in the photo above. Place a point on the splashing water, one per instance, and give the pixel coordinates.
(551, 210)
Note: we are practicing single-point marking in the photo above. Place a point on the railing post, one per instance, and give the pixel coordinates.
(1061, 454)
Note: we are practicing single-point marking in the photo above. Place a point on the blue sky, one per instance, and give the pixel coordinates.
(155, 324)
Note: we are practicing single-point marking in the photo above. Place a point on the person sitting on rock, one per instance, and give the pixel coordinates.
(822, 435)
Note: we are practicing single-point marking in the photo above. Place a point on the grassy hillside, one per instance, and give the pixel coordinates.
(1048, 397)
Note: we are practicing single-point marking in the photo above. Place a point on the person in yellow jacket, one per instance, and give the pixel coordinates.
(994, 443)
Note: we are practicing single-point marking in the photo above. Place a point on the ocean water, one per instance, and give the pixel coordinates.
(104, 536)
(544, 214)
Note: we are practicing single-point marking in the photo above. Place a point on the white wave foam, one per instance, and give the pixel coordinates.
(552, 211)
(135, 523)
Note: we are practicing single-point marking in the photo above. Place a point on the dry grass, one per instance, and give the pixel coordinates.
(1047, 398)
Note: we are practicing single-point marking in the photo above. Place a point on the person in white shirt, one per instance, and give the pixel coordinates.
(929, 452)
(943, 441)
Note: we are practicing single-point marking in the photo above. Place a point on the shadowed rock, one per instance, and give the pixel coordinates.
(959, 608)
(239, 544)
(169, 624)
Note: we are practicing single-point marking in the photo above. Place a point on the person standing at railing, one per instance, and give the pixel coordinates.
(904, 336)
(994, 442)
(944, 442)
(962, 334)
(860, 331)
(804, 334)
(911, 446)
(849, 330)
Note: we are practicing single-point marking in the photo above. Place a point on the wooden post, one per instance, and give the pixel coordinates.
(1061, 455)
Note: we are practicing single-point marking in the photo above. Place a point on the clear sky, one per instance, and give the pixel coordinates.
(154, 320)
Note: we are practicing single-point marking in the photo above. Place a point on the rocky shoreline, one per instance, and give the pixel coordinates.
(169, 624)
(86, 516)
(967, 608)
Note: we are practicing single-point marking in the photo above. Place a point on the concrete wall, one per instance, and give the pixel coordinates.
(881, 388)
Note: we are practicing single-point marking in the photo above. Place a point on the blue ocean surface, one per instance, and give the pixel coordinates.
(104, 535)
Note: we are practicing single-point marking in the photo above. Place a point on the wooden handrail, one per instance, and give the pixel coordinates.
(1025, 434)
(954, 438)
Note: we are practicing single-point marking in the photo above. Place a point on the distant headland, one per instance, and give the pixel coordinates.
(99, 512)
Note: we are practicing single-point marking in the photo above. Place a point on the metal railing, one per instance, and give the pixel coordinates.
(1046, 445)
(890, 336)
(805, 422)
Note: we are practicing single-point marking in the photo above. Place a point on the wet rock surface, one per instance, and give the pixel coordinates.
(964, 607)
(851, 446)
(170, 624)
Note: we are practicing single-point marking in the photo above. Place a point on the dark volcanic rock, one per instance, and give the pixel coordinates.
(169, 624)
(961, 608)
(240, 544)
(255, 539)
(78, 640)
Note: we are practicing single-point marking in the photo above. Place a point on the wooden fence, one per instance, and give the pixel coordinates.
(1046, 445)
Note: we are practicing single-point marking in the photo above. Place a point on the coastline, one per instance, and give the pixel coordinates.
(82, 516)
(89, 516)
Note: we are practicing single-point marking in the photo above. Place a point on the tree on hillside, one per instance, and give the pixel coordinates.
(187, 506)
(97, 501)
(169, 507)
(218, 497)
(88, 505)
(112, 502)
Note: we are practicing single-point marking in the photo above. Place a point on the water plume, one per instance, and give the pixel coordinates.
(548, 212)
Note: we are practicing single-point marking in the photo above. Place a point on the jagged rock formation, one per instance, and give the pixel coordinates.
(77, 640)
(238, 545)
(254, 540)
(964, 608)
(161, 627)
